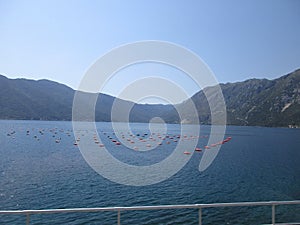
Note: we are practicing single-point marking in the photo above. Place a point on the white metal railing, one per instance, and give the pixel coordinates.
(273, 204)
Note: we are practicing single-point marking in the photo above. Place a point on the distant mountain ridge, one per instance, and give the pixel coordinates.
(259, 102)
(254, 102)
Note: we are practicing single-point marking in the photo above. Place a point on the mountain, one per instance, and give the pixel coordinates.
(34, 100)
(258, 102)
(254, 102)
(264, 102)
(47, 100)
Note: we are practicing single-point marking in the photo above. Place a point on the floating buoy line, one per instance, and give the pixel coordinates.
(136, 141)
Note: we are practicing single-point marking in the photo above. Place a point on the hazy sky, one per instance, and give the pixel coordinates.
(59, 40)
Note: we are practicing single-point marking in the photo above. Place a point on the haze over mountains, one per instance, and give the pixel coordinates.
(254, 102)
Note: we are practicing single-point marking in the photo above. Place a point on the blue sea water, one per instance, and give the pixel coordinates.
(41, 168)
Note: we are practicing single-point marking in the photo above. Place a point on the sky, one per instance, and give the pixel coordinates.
(60, 40)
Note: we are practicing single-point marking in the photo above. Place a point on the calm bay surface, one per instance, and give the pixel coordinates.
(41, 168)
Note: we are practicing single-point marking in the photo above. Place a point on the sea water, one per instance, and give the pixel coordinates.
(41, 168)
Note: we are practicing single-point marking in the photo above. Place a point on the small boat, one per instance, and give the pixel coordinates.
(187, 153)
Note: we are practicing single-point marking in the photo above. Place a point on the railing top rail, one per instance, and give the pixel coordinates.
(130, 208)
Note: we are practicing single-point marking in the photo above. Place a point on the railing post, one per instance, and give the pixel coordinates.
(200, 216)
(27, 219)
(273, 214)
(119, 217)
